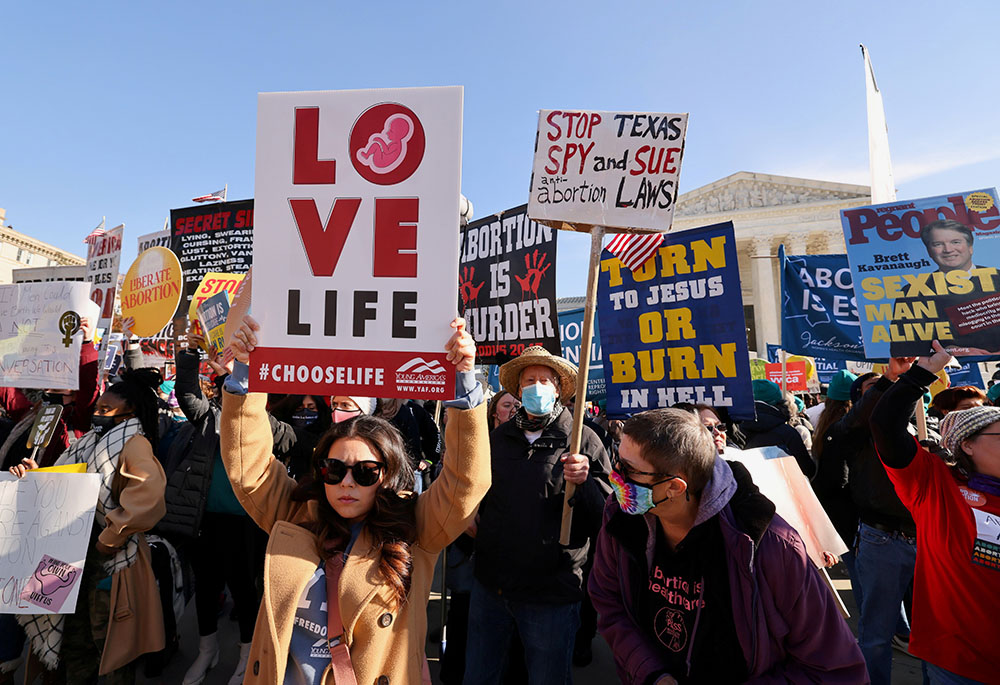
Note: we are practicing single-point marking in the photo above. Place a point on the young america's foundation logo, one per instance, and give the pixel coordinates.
(419, 371)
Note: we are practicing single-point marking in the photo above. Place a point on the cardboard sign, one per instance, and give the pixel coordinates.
(212, 284)
(44, 426)
(607, 168)
(781, 480)
(926, 270)
(152, 290)
(155, 239)
(795, 372)
(673, 331)
(507, 285)
(216, 238)
(356, 249)
(45, 523)
(40, 334)
(212, 314)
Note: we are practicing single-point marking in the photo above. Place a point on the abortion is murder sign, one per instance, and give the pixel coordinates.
(356, 241)
(507, 285)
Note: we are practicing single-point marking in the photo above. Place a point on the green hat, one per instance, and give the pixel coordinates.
(993, 393)
(840, 385)
(767, 391)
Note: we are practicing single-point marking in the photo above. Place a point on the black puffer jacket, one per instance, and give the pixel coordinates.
(771, 428)
(517, 544)
(189, 461)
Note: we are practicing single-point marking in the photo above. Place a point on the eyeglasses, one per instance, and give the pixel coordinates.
(625, 471)
(365, 473)
(716, 428)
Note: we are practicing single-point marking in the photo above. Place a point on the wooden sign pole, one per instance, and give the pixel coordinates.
(586, 338)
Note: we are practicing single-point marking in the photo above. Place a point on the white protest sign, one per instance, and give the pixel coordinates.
(356, 241)
(617, 169)
(781, 480)
(103, 257)
(154, 239)
(45, 523)
(40, 334)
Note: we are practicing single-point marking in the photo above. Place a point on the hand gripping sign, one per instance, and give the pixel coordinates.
(356, 241)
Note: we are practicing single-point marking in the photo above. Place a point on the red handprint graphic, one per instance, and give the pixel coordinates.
(468, 291)
(536, 268)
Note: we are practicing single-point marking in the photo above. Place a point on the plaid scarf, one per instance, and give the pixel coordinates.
(527, 422)
(101, 454)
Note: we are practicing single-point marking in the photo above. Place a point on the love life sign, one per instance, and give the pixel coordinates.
(356, 241)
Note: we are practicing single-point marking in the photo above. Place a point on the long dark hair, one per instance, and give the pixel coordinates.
(391, 522)
(833, 411)
(137, 389)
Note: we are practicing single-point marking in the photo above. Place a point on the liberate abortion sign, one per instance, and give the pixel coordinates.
(356, 241)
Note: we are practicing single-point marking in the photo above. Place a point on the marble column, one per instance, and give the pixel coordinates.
(765, 302)
(797, 244)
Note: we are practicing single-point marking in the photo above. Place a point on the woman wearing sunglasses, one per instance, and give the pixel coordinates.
(352, 539)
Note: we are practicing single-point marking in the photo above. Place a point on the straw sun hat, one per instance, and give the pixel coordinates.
(536, 355)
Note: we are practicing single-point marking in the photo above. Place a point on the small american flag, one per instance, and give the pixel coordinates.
(96, 233)
(217, 195)
(634, 250)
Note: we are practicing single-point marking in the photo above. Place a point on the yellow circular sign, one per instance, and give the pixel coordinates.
(152, 290)
(979, 202)
(810, 364)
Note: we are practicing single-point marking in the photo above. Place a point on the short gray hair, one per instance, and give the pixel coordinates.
(674, 441)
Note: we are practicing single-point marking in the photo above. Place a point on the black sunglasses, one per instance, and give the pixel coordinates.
(625, 471)
(365, 473)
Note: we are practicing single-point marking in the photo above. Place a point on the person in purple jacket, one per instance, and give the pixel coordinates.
(697, 580)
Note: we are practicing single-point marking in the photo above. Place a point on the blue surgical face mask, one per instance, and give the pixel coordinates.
(538, 399)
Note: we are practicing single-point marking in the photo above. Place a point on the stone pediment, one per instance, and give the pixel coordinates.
(746, 191)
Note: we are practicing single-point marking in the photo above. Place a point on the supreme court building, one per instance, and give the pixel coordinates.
(767, 211)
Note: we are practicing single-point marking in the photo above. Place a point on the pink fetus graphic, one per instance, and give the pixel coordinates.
(386, 150)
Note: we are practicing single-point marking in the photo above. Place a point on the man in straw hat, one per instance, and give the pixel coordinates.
(524, 577)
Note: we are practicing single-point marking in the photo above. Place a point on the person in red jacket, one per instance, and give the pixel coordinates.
(956, 507)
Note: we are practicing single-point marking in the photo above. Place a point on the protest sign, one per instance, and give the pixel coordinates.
(819, 317)
(673, 331)
(154, 239)
(795, 373)
(758, 369)
(507, 285)
(212, 314)
(212, 284)
(606, 168)
(40, 334)
(926, 270)
(152, 290)
(570, 326)
(357, 196)
(214, 238)
(781, 480)
(45, 522)
(103, 256)
(967, 374)
(44, 425)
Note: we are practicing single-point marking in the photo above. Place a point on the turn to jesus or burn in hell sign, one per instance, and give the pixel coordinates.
(356, 241)
(607, 168)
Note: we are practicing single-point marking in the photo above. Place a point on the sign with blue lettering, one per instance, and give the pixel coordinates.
(570, 327)
(673, 331)
(819, 317)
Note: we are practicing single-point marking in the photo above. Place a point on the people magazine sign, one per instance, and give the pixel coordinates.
(673, 330)
(926, 270)
(607, 168)
(356, 245)
(507, 285)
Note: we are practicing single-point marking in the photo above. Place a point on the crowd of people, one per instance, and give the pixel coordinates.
(323, 519)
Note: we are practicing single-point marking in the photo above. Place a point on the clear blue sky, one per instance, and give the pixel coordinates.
(130, 109)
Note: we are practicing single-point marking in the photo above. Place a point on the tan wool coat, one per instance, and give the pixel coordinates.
(386, 642)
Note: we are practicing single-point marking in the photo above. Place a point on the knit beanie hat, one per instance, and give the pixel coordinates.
(800, 406)
(993, 393)
(959, 425)
(840, 385)
(366, 404)
(766, 391)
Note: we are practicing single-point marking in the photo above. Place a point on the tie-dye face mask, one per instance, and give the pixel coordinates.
(633, 498)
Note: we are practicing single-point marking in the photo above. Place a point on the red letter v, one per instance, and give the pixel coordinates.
(323, 245)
